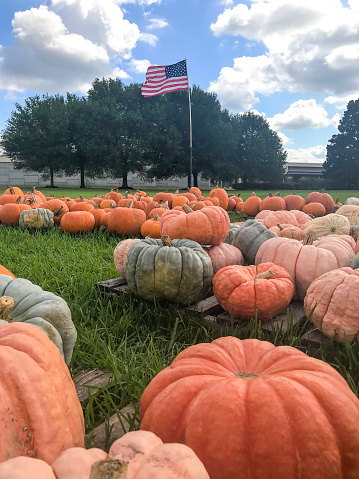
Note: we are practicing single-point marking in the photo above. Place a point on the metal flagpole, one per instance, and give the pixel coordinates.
(190, 131)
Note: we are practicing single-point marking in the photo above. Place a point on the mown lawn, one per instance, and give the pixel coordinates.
(131, 338)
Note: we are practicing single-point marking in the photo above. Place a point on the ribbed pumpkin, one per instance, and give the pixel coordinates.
(288, 231)
(151, 227)
(77, 221)
(36, 218)
(251, 206)
(314, 209)
(113, 195)
(305, 263)
(245, 291)
(294, 202)
(350, 211)
(136, 455)
(273, 203)
(324, 198)
(126, 221)
(273, 218)
(163, 196)
(179, 271)
(327, 225)
(40, 414)
(14, 190)
(180, 201)
(301, 217)
(250, 237)
(210, 225)
(224, 255)
(23, 301)
(334, 297)
(10, 213)
(222, 196)
(58, 207)
(120, 254)
(251, 410)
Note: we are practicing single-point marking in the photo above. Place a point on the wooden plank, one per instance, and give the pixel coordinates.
(88, 382)
(314, 337)
(114, 428)
(115, 285)
(295, 309)
(208, 306)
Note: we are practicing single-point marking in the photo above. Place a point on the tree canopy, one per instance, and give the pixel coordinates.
(342, 160)
(114, 131)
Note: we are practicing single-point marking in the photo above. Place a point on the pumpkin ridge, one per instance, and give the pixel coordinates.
(328, 303)
(337, 292)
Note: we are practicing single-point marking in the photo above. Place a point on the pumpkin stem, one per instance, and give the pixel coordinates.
(18, 199)
(187, 209)
(156, 217)
(7, 304)
(280, 227)
(166, 240)
(253, 193)
(130, 204)
(109, 469)
(165, 205)
(12, 191)
(58, 211)
(308, 239)
(265, 275)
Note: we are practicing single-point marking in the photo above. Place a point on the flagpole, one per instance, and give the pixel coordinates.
(190, 131)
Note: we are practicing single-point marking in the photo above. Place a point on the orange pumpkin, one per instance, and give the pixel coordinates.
(180, 201)
(294, 202)
(113, 195)
(196, 191)
(29, 392)
(108, 203)
(58, 207)
(151, 227)
(249, 409)
(323, 198)
(3, 270)
(272, 218)
(81, 206)
(243, 291)
(273, 203)
(314, 209)
(251, 206)
(163, 196)
(210, 225)
(10, 213)
(77, 221)
(14, 190)
(98, 214)
(126, 221)
(222, 196)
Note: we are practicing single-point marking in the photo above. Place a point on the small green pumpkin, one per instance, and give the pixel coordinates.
(36, 218)
(249, 238)
(23, 301)
(178, 270)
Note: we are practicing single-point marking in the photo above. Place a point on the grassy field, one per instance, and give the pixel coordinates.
(129, 337)
(340, 195)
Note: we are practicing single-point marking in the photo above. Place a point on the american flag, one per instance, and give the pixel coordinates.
(164, 79)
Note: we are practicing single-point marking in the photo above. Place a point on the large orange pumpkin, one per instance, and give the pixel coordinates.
(294, 202)
(251, 410)
(76, 221)
(40, 414)
(222, 195)
(58, 207)
(209, 225)
(243, 291)
(273, 203)
(251, 206)
(323, 198)
(126, 221)
(3, 270)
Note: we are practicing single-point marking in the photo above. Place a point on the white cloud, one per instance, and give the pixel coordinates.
(157, 23)
(139, 66)
(144, 3)
(310, 46)
(148, 38)
(66, 45)
(341, 102)
(303, 114)
(315, 154)
(285, 139)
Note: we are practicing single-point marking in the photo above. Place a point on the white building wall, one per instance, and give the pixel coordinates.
(10, 176)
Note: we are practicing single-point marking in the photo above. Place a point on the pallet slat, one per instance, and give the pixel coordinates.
(88, 382)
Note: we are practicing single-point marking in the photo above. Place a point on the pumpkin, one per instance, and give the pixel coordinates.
(273, 203)
(3, 270)
(354, 264)
(163, 196)
(314, 209)
(136, 455)
(113, 195)
(58, 207)
(249, 238)
(350, 211)
(179, 271)
(233, 228)
(251, 206)
(180, 201)
(327, 225)
(120, 254)
(36, 218)
(324, 198)
(196, 191)
(23, 301)
(151, 227)
(274, 217)
(214, 200)
(77, 221)
(38, 193)
(222, 196)
(352, 200)
(224, 255)
(196, 205)
(82, 206)
(332, 302)
(301, 217)
(126, 221)
(249, 409)
(108, 203)
(244, 291)
(14, 190)
(209, 225)
(305, 263)
(231, 203)
(288, 231)
(9, 198)
(294, 202)
(40, 414)
(10, 213)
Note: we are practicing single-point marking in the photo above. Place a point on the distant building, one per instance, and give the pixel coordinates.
(296, 170)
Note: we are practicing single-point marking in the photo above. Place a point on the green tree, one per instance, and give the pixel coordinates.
(258, 150)
(34, 136)
(342, 160)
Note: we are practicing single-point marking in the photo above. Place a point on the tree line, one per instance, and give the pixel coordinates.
(114, 131)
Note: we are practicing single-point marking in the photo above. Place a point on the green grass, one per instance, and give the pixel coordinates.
(131, 338)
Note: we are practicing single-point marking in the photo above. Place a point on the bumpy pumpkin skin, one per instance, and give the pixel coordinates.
(245, 291)
(324, 198)
(144, 453)
(233, 228)
(334, 295)
(40, 414)
(224, 255)
(326, 225)
(181, 273)
(36, 218)
(249, 238)
(42, 309)
(303, 417)
(210, 225)
(120, 254)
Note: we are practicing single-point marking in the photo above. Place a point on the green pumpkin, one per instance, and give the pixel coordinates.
(249, 237)
(231, 233)
(36, 218)
(179, 270)
(21, 300)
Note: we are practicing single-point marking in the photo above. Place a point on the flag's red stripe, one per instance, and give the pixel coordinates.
(160, 92)
(167, 84)
(159, 82)
(163, 90)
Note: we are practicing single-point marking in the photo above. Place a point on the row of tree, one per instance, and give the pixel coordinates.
(114, 131)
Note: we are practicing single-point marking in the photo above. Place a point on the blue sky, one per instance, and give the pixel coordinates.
(296, 63)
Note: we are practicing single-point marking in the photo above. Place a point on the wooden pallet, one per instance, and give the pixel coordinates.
(114, 287)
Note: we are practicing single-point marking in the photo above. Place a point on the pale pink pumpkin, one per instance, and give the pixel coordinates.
(301, 217)
(120, 254)
(224, 255)
(281, 217)
(334, 296)
(288, 231)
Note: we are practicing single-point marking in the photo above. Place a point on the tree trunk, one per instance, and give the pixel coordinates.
(189, 181)
(52, 178)
(124, 180)
(82, 170)
(195, 179)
